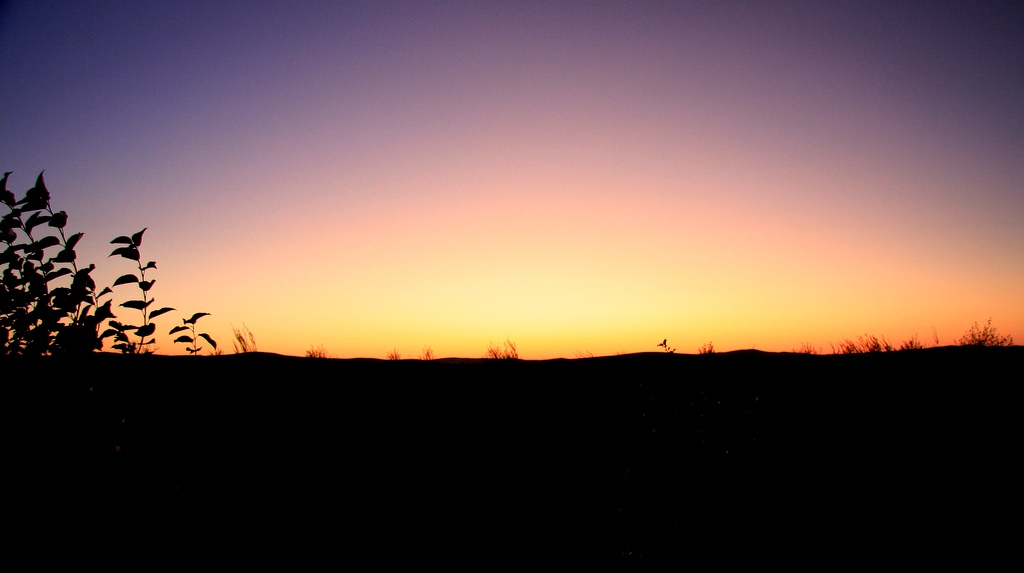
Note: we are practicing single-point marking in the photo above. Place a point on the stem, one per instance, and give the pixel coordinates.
(145, 321)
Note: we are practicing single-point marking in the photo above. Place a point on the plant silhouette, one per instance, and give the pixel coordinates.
(190, 325)
(245, 340)
(317, 352)
(36, 320)
(984, 336)
(119, 331)
(506, 352)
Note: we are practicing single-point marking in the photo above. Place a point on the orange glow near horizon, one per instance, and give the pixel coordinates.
(588, 178)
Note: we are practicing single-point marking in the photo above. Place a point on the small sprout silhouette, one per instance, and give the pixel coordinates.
(664, 344)
(190, 326)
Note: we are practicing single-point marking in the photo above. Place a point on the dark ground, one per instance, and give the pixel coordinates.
(634, 461)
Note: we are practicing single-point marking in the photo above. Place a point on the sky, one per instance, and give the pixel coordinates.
(576, 177)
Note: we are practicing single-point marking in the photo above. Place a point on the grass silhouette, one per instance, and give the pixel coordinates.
(913, 343)
(245, 340)
(984, 336)
(317, 352)
(507, 351)
(806, 348)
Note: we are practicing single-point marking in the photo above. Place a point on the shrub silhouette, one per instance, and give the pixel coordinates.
(708, 348)
(427, 354)
(36, 320)
(984, 336)
(664, 344)
(394, 355)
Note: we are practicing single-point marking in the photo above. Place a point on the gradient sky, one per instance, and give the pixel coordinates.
(577, 177)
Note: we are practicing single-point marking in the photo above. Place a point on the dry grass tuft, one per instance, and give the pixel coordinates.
(806, 348)
(244, 340)
(984, 336)
(507, 351)
(394, 355)
(865, 344)
(318, 352)
(912, 344)
(708, 348)
(427, 354)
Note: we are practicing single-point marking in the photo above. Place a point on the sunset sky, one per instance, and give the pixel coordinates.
(573, 176)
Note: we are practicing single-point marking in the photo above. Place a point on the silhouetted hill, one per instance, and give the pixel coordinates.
(646, 458)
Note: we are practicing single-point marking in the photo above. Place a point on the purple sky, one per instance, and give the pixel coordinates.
(846, 139)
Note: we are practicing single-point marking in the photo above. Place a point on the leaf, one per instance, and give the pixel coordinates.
(136, 304)
(41, 186)
(46, 242)
(5, 195)
(66, 256)
(73, 240)
(184, 338)
(57, 274)
(108, 333)
(196, 317)
(208, 339)
(59, 220)
(104, 312)
(144, 331)
(150, 265)
(122, 240)
(177, 329)
(35, 220)
(137, 238)
(125, 279)
(106, 290)
(127, 252)
(157, 313)
(146, 285)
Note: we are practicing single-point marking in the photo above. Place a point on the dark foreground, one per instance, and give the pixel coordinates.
(641, 460)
